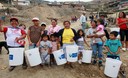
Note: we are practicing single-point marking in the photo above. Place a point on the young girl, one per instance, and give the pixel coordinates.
(100, 29)
(55, 46)
(80, 42)
(45, 49)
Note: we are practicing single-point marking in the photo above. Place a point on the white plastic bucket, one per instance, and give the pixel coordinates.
(87, 56)
(16, 56)
(72, 53)
(33, 56)
(59, 57)
(112, 67)
(116, 29)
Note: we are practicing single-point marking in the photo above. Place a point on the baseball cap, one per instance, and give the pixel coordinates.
(43, 23)
(13, 18)
(35, 19)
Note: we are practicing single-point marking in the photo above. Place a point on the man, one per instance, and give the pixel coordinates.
(34, 33)
(83, 21)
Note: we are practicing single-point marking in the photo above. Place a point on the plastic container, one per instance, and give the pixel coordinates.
(112, 67)
(60, 57)
(87, 56)
(33, 56)
(72, 53)
(16, 56)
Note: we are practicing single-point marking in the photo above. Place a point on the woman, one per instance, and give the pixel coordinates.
(97, 46)
(53, 28)
(68, 37)
(122, 23)
(13, 35)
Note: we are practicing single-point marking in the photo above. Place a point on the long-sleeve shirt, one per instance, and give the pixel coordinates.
(82, 19)
(52, 30)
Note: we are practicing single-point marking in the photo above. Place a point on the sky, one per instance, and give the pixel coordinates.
(69, 0)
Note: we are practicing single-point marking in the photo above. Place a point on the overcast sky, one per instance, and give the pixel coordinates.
(69, 0)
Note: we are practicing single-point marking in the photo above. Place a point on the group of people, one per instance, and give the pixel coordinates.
(56, 38)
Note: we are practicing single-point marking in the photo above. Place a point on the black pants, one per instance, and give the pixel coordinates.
(106, 34)
(3, 44)
(123, 35)
(24, 61)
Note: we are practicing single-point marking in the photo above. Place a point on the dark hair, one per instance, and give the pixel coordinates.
(14, 19)
(66, 21)
(124, 15)
(44, 35)
(78, 32)
(55, 35)
(94, 22)
(54, 20)
(22, 25)
(115, 33)
(43, 25)
(101, 21)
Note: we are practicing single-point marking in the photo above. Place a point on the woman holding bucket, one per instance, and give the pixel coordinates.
(13, 35)
(97, 47)
(68, 37)
(122, 23)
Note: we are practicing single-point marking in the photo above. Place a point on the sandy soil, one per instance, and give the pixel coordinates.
(79, 71)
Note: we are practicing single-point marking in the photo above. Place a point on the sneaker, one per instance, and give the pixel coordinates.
(124, 49)
(100, 63)
(24, 67)
(94, 62)
(80, 61)
(11, 68)
(71, 66)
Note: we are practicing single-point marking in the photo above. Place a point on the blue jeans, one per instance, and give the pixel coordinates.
(32, 46)
(113, 57)
(83, 26)
(97, 48)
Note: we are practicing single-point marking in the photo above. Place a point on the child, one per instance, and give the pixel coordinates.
(45, 49)
(43, 26)
(55, 46)
(100, 29)
(22, 26)
(80, 42)
(113, 46)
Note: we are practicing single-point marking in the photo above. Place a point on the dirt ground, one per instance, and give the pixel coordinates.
(79, 71)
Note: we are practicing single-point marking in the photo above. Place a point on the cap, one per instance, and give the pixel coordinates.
(43, 23)
(13, 18)
(35, 19)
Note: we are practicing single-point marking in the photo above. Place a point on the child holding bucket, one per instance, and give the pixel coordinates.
(55, 46)
(96, 47)
(80, 42)
(45, 49)
(113, 46)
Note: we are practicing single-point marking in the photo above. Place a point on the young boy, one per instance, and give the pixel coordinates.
(113, 46)
(45, 49)
(43, 26)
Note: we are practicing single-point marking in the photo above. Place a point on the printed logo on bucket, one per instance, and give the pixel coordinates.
(62, 57)
(73, 55)
(10, 57)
